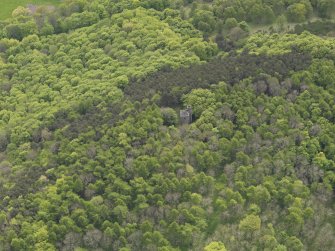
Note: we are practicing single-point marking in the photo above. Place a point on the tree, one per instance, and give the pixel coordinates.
(259, 195)
(92, 238)
(77, 20)
(199, 100)
(250, 224)
(323, 72)
(71, 241)
(169, 116)
(204, 20)
(19, 31)
(294, 244)
(326, 8)
(281, 21)
(4, 140)
(261, 14)
(297, 12)
(230, 23)
(21, 12)
(215, 246)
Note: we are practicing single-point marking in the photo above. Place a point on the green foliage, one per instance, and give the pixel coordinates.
(204, 20)
(78, 20)
(169, 116)
(297, 12)
(199, 100)
(281, 44)
(215, 246)
(230, 23)
(250, 223)
(91, 153)
(326, 8)
(8, 6)
(265, 12)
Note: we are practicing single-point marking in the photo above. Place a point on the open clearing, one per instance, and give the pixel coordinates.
(7, 6)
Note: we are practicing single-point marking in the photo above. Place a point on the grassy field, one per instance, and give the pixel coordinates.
(7, 6)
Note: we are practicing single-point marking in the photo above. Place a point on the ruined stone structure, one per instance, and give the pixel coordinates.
(186, 116)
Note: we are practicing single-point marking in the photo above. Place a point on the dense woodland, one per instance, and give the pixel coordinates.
(92, 152)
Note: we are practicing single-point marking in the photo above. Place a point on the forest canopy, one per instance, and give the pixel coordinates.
(93, 151)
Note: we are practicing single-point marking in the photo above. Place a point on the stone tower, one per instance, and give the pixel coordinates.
(186, 115)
